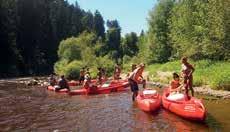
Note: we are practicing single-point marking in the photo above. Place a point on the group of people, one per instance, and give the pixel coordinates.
(187, 71)
(61, 84)
(134, 78)
(175, 86)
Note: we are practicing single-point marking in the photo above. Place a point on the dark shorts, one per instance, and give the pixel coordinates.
(133, 85)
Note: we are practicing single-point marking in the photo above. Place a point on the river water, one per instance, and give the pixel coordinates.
(24, 108)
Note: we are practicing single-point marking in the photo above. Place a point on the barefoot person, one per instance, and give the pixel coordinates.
(134, 78)
(187, 71)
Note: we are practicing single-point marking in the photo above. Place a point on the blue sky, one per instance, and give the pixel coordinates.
(131, 14)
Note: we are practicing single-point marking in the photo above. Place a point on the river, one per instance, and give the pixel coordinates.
(24, 108)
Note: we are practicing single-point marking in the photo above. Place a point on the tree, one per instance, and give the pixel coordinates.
(99, 25)
(9, 54)
(158, 31)
(113, 40)
(129, 44)
(87, 21)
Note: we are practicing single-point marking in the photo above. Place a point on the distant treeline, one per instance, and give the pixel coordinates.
(31, 30)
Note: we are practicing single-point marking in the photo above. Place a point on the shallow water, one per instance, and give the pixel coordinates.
(24, 108)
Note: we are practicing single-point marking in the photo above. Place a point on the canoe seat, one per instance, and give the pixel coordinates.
(105, 85)
(146, 92)
(176, 97)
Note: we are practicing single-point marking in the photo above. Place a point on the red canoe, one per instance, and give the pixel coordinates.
(192, 109)
(117, 86)
(76, 83)
(52, 88)
(149, 100)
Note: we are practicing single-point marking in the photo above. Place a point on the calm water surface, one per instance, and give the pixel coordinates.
(24, 108)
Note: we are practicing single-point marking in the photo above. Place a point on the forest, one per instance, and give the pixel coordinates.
(39, 37)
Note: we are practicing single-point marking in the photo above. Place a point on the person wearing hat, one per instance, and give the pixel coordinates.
(187, 71)
(134, 79)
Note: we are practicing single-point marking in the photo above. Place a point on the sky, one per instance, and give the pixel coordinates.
(131, 14)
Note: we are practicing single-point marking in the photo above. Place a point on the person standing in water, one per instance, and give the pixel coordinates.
(99, 75)
(134, 79)
(82, 74)
(187, 71)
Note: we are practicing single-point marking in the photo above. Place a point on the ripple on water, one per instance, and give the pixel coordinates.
(36, 109)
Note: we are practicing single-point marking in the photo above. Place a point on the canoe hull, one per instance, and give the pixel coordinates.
(148, 102)
(192, 109)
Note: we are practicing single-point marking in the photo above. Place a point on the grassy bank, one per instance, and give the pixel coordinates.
(213, 73)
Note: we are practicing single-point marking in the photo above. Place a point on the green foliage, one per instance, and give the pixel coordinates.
(59, 67)
(72, 70)
(129, 44)
(113, 40)
(69, 50)
(81, 52)
(160, 46)
(197, 29)
(99, 25)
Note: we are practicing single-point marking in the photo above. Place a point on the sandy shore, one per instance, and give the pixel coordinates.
(204, 90)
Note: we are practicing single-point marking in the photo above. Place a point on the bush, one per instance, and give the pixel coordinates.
(70, 70)
(73, 70)
(60, 67)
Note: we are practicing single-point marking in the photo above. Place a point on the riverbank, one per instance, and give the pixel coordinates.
(42, 81)
(204, 90)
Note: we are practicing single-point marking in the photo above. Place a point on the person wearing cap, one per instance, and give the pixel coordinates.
(62, 84)
(134, 79)
(187, 71)
(82, 74)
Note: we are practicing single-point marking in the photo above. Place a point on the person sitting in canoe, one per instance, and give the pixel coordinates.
(62, 84)
(117, 72)
(52, 80)
(134, 78)
(88, 85)
(175, 86)
(82, 74)
(187, 71)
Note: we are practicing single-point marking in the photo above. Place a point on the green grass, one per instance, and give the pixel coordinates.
(216, 74)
